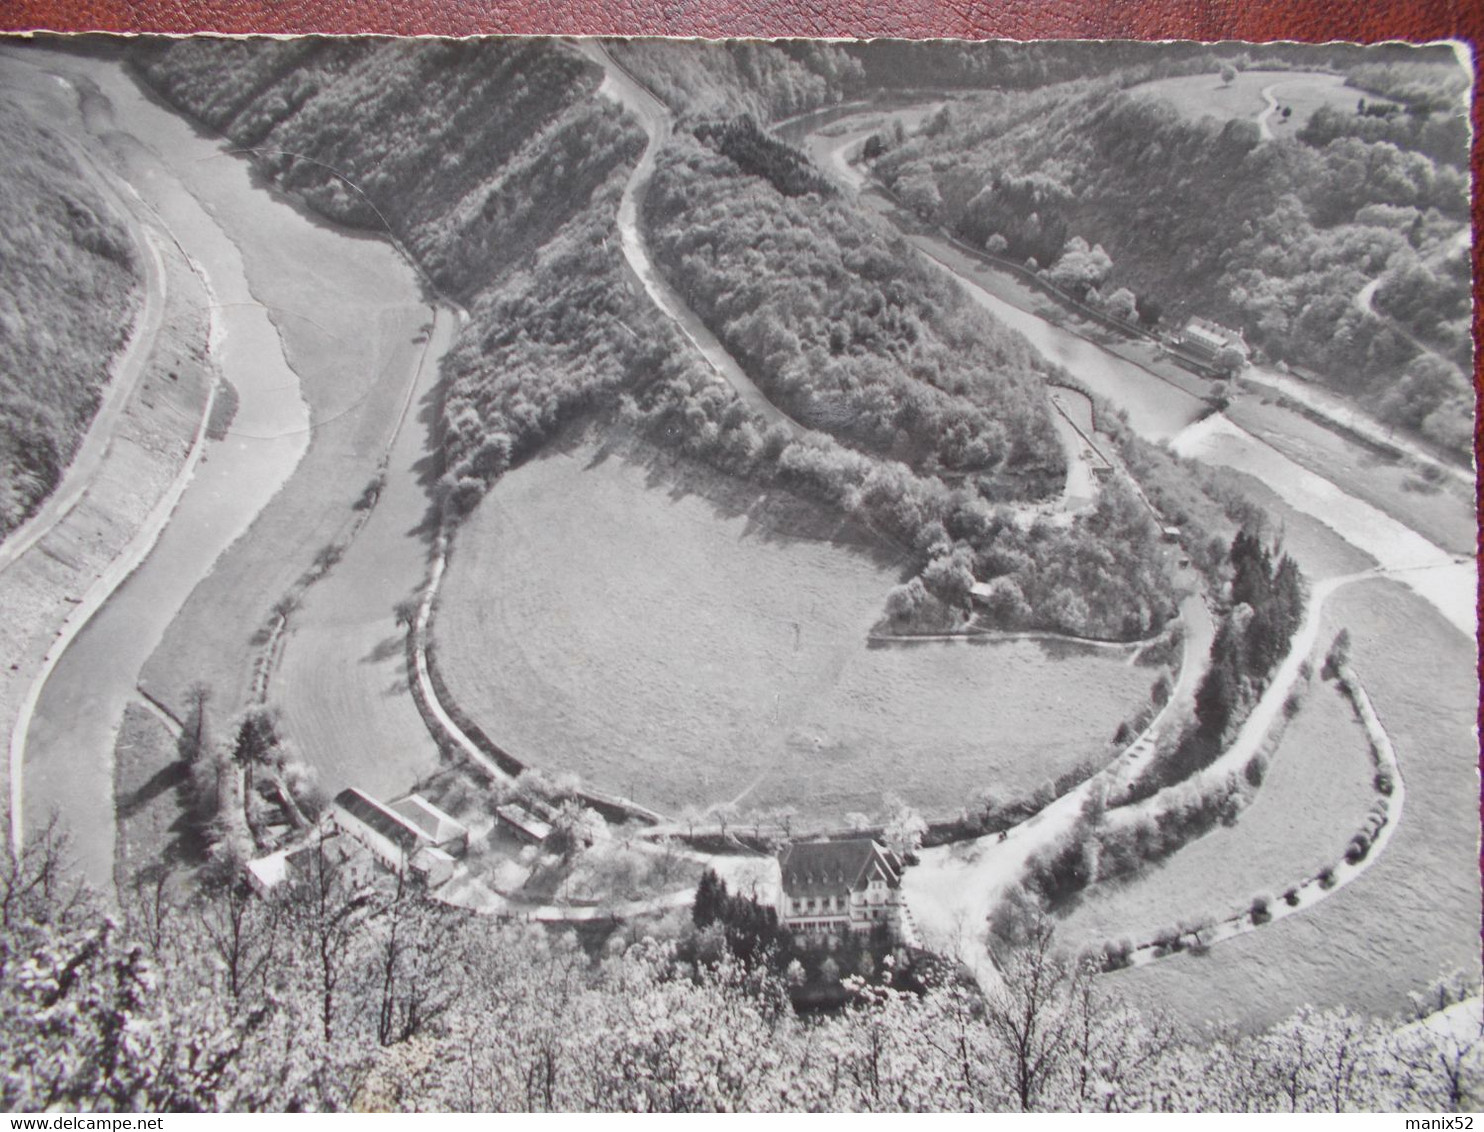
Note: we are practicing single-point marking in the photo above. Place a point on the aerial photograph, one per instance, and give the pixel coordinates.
(649, 575)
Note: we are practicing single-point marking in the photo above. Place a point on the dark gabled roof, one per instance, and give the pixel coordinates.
(375, 816)
(825, 868)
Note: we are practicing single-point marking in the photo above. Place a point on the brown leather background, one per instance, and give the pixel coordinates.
(1017, 19)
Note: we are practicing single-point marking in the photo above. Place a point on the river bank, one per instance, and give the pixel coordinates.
(81, 705)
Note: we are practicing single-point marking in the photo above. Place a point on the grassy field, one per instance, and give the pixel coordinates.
(1197, 96)
(1316, 794)
(342, 682)
(688, 641)
(147, 778)
(1415, 913)
(347, 312)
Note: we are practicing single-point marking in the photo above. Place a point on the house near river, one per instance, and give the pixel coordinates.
(1206, 340)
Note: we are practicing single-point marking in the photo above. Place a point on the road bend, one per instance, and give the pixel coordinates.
(654, 118)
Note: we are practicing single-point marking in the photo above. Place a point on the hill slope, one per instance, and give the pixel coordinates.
(70, 279)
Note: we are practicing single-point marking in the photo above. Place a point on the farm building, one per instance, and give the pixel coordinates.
(835, 886)
(525, 825)
(1206, 339)
(268, 873)
(447, 833)
(397, 841)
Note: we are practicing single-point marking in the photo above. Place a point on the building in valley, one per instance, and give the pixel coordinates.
(402, 840)
(1206, 339)
(830, 887)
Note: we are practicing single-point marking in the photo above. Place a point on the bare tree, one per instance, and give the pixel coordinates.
(1031, 1015)
(328, 914)
(242, 932)
(417, 955)
(197, 736)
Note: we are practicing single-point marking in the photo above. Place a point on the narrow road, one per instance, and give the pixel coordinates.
(127, 366)
(1270, 95)
(654, 117)
(62, 747)
(953, 888)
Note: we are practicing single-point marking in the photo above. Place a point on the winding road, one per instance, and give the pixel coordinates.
(954, 889)
(654, 117)
(61, 750)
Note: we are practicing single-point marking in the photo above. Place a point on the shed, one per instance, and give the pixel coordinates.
(433, 865)
(524, 824)
(267, 873)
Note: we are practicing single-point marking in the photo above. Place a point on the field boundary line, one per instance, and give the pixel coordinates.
(114, 575)
(1313, 890)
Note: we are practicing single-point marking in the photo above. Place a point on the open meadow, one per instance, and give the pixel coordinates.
(1315, 795)
(689, 642)
(1197, 96)
(1414, 915)
(349, 316)
(342, 682)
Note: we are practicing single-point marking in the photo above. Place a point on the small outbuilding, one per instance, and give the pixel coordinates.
(525, 825)
(446, 832)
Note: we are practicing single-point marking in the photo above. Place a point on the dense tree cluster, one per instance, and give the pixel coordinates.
(757, 152)
(1440, 136)
(1101, 576)
(765, 80)
(1265, 609)
(349, 126)
(843, 330)
(1276, 237)
(514, 217)
(352, 990)
(1267, 600)
(70, 283)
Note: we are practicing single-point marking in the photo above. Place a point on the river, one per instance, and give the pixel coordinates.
(206, 206)
(1162, 412)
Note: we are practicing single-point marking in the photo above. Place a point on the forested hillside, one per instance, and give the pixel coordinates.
(1113, 191)
(70, 280)
(424, 138)
(516, 218)
(497, 169)
(845, 330)
(349, 991)
(766, 80)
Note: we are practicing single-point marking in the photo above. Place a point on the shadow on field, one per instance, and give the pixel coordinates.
(773, 514)
(429, 468)
(395, 645)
